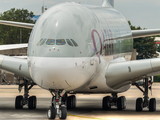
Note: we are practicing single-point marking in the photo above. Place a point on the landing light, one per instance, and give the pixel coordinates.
(54, 48)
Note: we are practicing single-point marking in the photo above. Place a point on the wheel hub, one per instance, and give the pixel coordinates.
(60, 114)
(49, 113)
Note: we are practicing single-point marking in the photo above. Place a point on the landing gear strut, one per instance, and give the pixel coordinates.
(145, 102)
(20, 101)
(108, 101)
(58, 105)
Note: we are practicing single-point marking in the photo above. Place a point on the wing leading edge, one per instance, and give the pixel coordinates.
(13, 46)
(135, 33)
(145, 33)
(17, 24)
(15, 65)
(123, 73)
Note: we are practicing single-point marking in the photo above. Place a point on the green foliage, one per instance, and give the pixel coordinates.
(157, 78)
(145, 47)
(11, 35)
(133, 27)
(158, 49)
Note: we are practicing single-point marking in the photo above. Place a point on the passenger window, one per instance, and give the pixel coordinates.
(69, 42)
(50, 42)
(74, 43)
(60, 42)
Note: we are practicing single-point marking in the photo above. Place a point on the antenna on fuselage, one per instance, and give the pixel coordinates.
(43, 7)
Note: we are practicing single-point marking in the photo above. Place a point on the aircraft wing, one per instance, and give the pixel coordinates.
(145, 33)
(15, 65)
(135, 33)
(13, 46)
(123, 73)
(17, 24)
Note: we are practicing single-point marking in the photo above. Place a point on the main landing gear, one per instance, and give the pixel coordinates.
(145, 102)
(71, 102)
(108, 101)
(60, 103)
(20, 101)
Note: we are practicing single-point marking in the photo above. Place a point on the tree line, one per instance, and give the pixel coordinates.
(15, 35)
(146, 46)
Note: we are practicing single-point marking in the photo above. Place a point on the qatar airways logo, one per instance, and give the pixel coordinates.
(107, 38)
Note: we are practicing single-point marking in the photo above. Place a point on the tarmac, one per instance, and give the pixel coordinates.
(89, 107)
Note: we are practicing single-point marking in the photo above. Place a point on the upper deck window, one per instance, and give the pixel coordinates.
(50, 42)
(75, 44)
(60, 42)
(69, 42)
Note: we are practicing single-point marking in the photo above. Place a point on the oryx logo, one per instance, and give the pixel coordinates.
(94, 43)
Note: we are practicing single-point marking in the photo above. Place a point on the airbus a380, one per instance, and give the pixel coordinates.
(75, 48)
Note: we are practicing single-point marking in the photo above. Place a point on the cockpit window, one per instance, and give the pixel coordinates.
(75, 44)
(39, 42)
(42, 42)
(60, 42)
(50, 42)
(69, 42)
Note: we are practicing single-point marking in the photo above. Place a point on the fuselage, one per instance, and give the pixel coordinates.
(71, 46)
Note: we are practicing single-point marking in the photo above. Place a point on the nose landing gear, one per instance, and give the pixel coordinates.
(58, 105)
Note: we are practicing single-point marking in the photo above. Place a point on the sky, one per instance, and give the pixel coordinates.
(143, 13)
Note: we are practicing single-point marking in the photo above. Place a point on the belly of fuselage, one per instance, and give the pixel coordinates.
(61, 73)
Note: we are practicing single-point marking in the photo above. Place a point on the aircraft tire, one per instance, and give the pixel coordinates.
(139, 104)
(19, 102)
(71, 102)
(152, 104)
(121, 103)
(63, 113)
(105, 103)
(73, 99)
(32, 102)
(51, 114)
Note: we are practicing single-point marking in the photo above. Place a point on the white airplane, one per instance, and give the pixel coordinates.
(76, 48)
